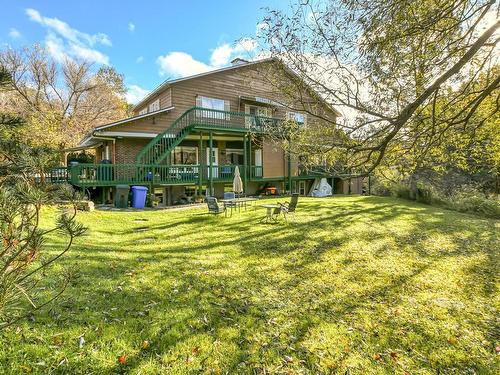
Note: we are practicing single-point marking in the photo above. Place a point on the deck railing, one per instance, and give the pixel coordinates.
(143, 174)
(146, 174)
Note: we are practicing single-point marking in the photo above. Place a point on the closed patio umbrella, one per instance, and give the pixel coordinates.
(237, 183)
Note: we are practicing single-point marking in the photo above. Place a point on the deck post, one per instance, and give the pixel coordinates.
(211, 171)
(250, 156)
(289, 167)
(245, 163)
(200, 163)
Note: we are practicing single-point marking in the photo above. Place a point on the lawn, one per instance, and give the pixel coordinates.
(373, 285)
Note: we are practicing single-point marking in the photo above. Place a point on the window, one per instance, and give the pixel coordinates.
(185, 155)
(299, 118)
(213, 103)
(302, 188)
(155, 106)
(234, 156)
(143, 111)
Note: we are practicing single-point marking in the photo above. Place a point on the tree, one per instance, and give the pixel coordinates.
(60, 101)
(390, 63)
(24, 259)
(467, 155)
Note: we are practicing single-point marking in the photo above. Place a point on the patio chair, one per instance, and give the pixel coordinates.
(214, 208)
(276, 214)
(289, 207)
(230, 195)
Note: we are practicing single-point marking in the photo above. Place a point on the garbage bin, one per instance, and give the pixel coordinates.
(139, 194)
(121, 196)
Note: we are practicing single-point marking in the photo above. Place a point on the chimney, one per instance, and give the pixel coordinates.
(238, 61)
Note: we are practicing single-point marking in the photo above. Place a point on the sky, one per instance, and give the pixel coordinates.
(147, 41)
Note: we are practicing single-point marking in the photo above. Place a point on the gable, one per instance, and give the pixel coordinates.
(239, 79)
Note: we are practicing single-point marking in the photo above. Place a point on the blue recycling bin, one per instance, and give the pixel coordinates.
(139, 194)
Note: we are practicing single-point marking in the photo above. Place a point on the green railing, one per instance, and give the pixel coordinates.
(146, 174)
(59, 175)
(160, 146)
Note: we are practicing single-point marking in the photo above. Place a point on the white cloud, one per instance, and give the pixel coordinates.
(89, 54)
(139, 60)
(66, 31)
(55, 47)
(135, 94)
(14, 33)
(63, 41)
(221, 55)
(131, 27)
(181, 64)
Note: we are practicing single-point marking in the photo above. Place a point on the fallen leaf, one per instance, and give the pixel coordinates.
(377, 357)
(394, 355)
(452, 340)
(123, 358)
(196, 351)
(145, 344)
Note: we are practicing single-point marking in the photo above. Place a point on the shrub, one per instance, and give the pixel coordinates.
(401, 191)
(473, 201)
(424, 195)
(468, 199)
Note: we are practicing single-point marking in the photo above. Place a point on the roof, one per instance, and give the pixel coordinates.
(87, 140)
(134, 118)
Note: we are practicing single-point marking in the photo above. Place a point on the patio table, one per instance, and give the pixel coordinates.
(240, 201)
(269, 213)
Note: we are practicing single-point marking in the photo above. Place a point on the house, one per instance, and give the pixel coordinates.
(189, 134)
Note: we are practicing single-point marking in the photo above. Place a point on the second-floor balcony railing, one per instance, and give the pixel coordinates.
(213, 118)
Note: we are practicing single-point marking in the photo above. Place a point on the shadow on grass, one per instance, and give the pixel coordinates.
(337, 265)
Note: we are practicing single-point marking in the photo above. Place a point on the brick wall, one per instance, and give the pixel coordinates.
(128, 148)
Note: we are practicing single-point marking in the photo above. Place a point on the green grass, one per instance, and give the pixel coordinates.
(373, 285)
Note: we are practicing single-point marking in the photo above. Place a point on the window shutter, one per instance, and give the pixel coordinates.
(198, 104)
(227, 108)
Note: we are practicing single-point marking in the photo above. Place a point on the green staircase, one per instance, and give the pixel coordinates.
(161, 145)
